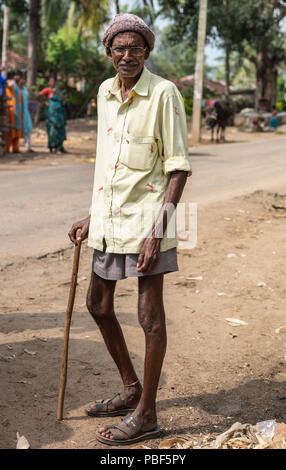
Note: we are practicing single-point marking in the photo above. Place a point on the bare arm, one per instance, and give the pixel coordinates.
(150, 250)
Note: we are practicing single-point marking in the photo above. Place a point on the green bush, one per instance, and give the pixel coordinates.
(281, 91)
(280, 106)
(76, 97)
(188, 102)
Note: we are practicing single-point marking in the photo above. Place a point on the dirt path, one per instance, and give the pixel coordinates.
(214, 374)
(42, 195)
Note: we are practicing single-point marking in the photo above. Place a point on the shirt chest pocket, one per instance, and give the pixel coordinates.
(138, 153)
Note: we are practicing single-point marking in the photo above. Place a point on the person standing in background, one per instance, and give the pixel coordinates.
(274, 124)
(15, 111)
(27, 125)
(3, 77)
(55, 116)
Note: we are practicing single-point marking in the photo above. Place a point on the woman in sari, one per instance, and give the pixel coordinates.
(55, 117)
(27, 125)
(15, 112)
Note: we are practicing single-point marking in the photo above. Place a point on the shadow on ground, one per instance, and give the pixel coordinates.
(30, 372)
(30, 375)
(255, 400)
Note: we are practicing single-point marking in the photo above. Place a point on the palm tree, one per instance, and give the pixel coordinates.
(88, 16)
(55, 13)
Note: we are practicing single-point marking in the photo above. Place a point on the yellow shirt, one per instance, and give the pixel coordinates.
(140, 142)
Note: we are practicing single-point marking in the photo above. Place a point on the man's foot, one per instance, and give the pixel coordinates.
(120, 405)
(132, 429)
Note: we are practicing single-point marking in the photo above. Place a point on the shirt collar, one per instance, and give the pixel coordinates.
(140, 88)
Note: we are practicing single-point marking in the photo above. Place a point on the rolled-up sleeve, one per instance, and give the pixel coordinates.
(174, 134)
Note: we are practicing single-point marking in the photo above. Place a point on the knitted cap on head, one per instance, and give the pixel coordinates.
(127, 22)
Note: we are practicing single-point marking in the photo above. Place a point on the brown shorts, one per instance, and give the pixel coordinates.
(117, 266)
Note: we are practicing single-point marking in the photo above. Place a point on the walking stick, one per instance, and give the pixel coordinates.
(63, 379)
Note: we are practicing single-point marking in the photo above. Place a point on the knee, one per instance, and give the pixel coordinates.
(152, 320)
(99, 310)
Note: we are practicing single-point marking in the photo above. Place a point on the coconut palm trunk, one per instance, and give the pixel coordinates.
(33, 41)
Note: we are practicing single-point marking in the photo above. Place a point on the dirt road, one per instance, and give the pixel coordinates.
(214, 373)
(42, 197)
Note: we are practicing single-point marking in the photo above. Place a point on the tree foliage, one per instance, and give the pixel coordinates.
(242, 71)
(18, 19)
(71, 28)
(239, 22)
(55, 13)
(74, 56)
(88, 16)
(63, 55)
(253, 29)
(173, 61)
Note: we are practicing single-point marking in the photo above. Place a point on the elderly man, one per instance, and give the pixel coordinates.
(140, 172)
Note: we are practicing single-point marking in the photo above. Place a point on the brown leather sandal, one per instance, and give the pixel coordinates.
(131, 428)
(100, 409)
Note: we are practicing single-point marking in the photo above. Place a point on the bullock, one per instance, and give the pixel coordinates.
(218, 117)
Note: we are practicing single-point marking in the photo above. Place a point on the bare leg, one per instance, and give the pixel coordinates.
(16, 142)
(152, 319)
(8, 145)
(100, 303)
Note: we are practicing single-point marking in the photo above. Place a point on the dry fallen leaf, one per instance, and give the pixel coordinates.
(175, 443)
(31, 353)
(236, 321)
(22, 442)
(281, 329)
(195, 278)
(279, 439)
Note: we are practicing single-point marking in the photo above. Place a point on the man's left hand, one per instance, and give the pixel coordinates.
(149, 255)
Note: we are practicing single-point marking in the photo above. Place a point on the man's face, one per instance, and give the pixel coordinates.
(126, 64)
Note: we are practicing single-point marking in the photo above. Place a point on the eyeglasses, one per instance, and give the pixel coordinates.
(135, 51)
